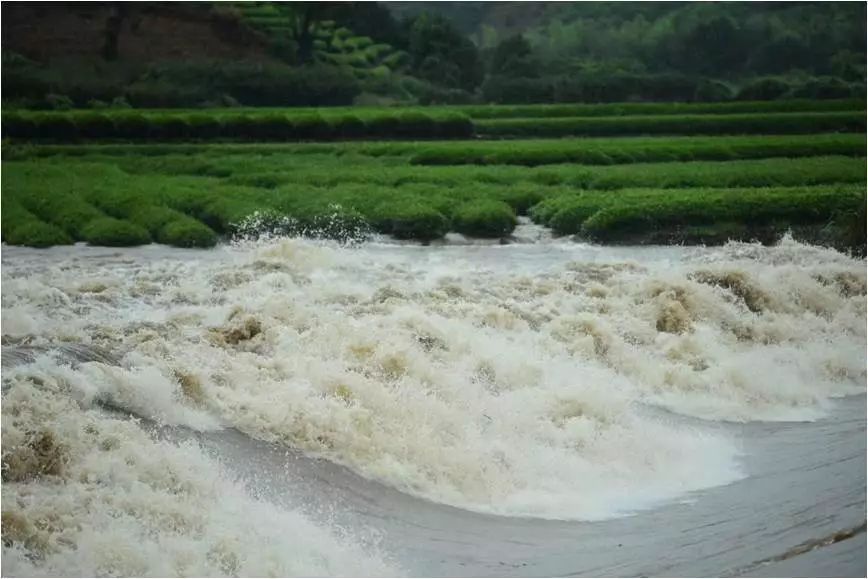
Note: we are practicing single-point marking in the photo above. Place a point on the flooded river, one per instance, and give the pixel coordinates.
(289, 407)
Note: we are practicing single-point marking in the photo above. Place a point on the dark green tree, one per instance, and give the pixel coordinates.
(513, 57)
(441, 55)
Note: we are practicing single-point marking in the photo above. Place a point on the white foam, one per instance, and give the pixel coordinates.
(500, 379)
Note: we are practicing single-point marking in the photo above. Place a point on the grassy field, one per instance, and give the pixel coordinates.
(419, 173)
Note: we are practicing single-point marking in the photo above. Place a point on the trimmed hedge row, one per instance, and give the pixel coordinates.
(20, 227)
(766, 123)
(638, 150)
(631, 214)
(132, 126)
(477, 112)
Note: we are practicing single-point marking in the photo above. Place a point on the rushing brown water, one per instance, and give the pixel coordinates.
(524, 381)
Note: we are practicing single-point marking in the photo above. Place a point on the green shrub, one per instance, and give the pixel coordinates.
(151, 217)
(348, 127)
(763, 90)
(767, 123)
(204, 126)
(569, 217)
(56, 127)
(237, 126)
(626, 150)
(712, 91)
(411, 220)
(169, 127)
(415, 125)
(187, 233)
(383, 125)
(271, 127)
(521, 198)
(95, 126)
(484, 218)
(115, 233)
(132, 126)
(18, 125)
(311, 127)
(35, 233)
(824, 88)
(58, 102)
(511, 90)
(65, 210)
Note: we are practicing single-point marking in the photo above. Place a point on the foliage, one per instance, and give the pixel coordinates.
(187, 233)
(636, 150)
(115, 233)
(440, 54)
(485, 218)
(270, 125)
(769, 124)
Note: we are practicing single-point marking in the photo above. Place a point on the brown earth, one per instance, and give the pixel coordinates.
(149, 31)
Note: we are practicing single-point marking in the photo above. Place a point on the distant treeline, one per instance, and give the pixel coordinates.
(346, 53)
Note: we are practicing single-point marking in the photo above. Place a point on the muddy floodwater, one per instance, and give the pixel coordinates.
(291, 407)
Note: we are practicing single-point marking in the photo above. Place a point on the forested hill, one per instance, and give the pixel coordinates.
(195, 54)
(729, 41)
(718, 38)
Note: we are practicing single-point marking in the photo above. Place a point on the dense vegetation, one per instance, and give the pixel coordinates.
(301, 124)
(632, 122)
(187, 195)
(341, 53)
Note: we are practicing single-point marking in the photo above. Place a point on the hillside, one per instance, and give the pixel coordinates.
(143, 32)
(166, 55)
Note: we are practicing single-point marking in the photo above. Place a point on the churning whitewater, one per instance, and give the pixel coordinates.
(542, 380)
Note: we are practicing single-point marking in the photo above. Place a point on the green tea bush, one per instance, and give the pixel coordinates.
(348, 127)
(236, 126)
(187, 233)
(752, 207)
(311, 127)
(484, 218)
(777, 123)
(67, 211)
(18, 125)
(36, 233)
(414, 125)
(169, 127)
(94, 125)
(383, 125)
(272, 127)
(21, 227)
(672, 108)
(634, 150)
(204, 126)
(521, 197)
(113, 232)
(410, 219)
(131, 126)
(569, 216)
(151, 217)
(57, 127)
(454, 126)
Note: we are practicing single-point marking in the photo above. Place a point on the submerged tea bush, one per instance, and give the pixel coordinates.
(115, 233)
(36, 234)
(484, 218)
(187, 233)
(412, 220)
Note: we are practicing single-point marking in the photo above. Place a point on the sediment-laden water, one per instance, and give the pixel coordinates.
(545, 380)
